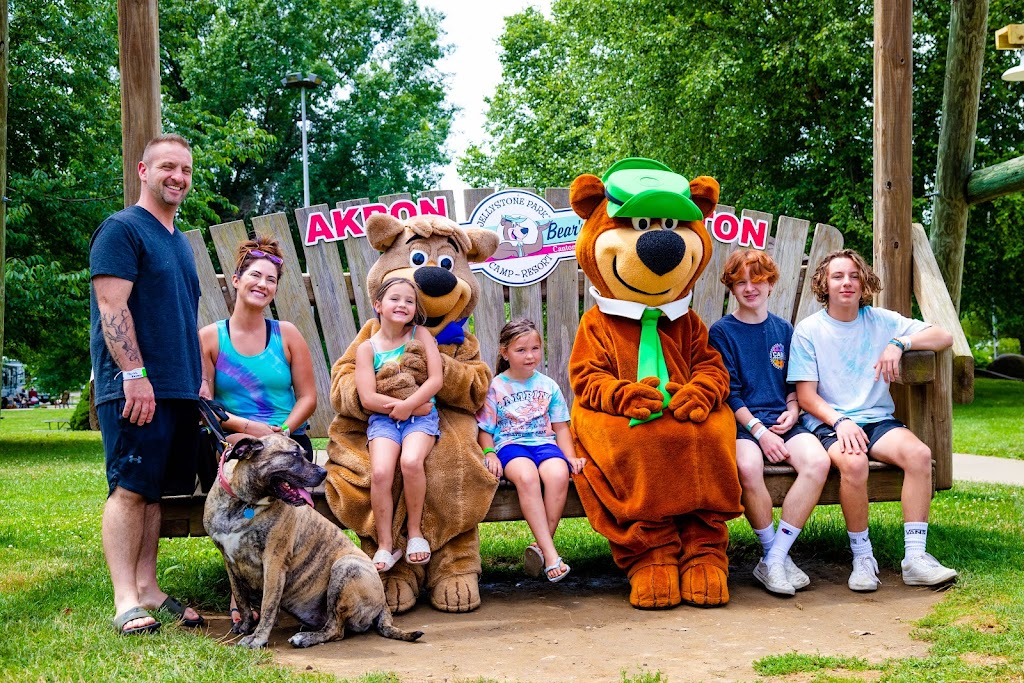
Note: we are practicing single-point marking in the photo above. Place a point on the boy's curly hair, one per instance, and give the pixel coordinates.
(870, 283)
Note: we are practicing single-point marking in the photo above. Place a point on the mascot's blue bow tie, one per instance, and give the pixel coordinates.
(452, 333)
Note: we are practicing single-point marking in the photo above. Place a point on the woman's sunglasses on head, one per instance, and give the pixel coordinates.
(259, 253)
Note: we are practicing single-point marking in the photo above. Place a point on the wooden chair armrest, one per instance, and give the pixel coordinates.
(937, 308)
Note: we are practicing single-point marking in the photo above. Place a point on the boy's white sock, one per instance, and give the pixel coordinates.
(860, 544)
(766, 536)
(915, 538)
(784, 540)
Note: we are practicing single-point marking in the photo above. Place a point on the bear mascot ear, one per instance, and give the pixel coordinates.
(483, 244)
(382, 229)
(586, 194)
(704, 193)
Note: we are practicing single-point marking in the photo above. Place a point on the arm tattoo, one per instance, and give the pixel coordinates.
(119, 330)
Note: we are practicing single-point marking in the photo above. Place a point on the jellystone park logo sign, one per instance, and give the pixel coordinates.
(533, 235)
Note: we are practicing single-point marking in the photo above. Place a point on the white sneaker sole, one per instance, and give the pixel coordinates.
(769, 588)
(933, 581)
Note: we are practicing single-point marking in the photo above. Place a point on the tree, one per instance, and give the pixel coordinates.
(992, 277)
(64, 177)
(771, 98)
(379, 126)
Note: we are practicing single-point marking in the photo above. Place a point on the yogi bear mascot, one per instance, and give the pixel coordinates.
(650, 413)
(434, 252)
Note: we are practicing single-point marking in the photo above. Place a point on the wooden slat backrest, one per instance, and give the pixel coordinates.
(361, 256)
(489, 315)
(226, 238)
(553, 305)
(563, 317)
(292, 303)
(212, 306)
(928, 290)
(330, 292)
(826, 240)
(449, 199)
(788, 253)
(708, 293)
(562, 322)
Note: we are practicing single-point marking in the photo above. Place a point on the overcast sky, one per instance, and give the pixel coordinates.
(473, 28)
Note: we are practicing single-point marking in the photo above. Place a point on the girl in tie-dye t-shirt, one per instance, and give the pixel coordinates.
(524, 433)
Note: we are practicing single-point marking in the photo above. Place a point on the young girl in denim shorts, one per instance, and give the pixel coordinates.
(400, 431)
(524, 432)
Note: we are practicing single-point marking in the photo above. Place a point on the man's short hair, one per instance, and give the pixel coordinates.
(166, 137)
(760, 267)
(870, 283)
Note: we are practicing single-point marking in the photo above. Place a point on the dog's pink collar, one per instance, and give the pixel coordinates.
(220, 474)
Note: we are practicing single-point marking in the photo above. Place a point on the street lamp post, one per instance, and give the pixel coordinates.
(297, 80)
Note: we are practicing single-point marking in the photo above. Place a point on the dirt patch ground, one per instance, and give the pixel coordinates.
(583, 629)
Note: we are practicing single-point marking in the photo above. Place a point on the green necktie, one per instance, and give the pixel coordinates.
(651, 358)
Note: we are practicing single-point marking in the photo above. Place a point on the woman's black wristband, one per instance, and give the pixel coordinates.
(835, 425)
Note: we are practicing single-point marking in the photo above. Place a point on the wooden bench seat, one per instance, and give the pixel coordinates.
(183, 515)
(329, 303)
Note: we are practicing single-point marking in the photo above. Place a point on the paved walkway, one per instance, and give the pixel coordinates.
(988, 469)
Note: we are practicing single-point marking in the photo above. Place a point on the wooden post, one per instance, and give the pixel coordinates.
(893, 166)
(994, 181)
(965, 55)
(3, 163)
(138, 30)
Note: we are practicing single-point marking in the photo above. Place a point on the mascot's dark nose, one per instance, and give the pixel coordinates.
(435, 281)
(660, 250)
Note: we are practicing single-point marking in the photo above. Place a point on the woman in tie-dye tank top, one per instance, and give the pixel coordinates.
(259, 369)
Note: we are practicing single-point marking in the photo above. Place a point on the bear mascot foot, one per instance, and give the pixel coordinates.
(704, 585)
(401, 588)
(655, 586)
(460, 593)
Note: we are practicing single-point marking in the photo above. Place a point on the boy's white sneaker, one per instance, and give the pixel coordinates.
(925, 570)
(773, 576)
(865, 574)
(796, 575)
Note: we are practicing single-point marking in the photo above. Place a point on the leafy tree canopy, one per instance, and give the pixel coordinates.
(377, 125)
(773, 99)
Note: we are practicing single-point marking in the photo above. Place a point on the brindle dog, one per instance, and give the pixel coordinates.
(282, 554)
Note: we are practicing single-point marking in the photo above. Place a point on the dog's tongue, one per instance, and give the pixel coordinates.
(305, 496)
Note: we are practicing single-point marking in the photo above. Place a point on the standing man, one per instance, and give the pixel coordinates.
(147, 367)
(843, 359)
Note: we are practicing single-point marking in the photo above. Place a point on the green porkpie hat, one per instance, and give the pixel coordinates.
(637, 187)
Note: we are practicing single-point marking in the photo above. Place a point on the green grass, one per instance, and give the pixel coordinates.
(992, 424)
(55, 600)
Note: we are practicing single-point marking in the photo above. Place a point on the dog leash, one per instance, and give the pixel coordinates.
(212, 414)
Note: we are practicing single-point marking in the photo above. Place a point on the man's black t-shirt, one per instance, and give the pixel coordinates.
(133, 245)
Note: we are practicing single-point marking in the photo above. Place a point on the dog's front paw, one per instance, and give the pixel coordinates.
(252, 642)
(456, 594)
(307, 639)
(243, 627)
